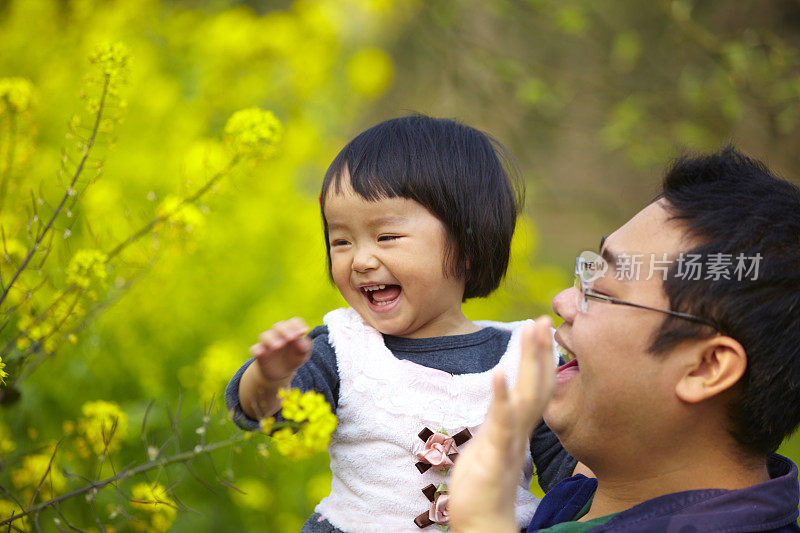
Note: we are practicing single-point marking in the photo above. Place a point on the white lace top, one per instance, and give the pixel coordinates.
(384, 402)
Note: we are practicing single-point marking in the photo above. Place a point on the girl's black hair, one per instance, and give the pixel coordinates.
(455, 172)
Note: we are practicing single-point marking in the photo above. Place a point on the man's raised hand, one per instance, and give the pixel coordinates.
(483, 489)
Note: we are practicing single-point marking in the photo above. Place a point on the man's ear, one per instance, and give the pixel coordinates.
(718, 364)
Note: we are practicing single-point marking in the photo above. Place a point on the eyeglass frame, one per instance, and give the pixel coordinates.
(588, 294)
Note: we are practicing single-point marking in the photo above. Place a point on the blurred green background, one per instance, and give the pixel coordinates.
(590, 98)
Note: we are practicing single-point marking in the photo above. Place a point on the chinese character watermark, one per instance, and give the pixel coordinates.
(687, 266)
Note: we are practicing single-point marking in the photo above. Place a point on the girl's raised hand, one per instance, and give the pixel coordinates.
(282, 349)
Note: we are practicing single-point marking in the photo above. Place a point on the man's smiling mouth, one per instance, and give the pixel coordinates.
(562, 348)
(569, 369)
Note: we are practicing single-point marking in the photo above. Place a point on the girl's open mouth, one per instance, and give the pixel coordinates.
(382, 298)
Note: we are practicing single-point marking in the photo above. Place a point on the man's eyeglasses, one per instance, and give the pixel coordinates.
(589, 267)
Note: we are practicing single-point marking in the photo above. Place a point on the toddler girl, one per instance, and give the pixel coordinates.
(418, 216)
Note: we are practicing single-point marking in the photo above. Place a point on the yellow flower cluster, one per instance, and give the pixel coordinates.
(7, 510)
(34, 467)
(103, 425)
(186, 217)
(266, 425)
(7, 445)
(62, 316)
(113, 59)
(370, 72)
(3, 376)
(317, 424)
(16, 94)
(253, 132)
(86, 268)
(209, 374)
(255, 495)
(154, 498)
(14, 251)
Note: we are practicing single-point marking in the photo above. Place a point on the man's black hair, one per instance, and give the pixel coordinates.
(455, 172)
(733, 204)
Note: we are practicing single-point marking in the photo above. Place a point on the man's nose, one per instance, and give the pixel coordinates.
(364, 259)
(565, 304)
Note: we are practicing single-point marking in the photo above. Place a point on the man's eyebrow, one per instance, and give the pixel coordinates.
(608, 255)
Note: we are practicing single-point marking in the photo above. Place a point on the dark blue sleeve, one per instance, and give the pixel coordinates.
(552, 461)
(318, 373)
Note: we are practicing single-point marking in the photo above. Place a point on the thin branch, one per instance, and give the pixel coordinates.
(126, 473)
(144, 230)
(86, 150)
(67, 522)
(97, 520)
(8, 494)
(46, 474)
(200, 480)
(144, 429)
(47, 250)
(40, 342)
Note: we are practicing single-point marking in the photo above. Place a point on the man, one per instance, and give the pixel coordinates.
(684, 380)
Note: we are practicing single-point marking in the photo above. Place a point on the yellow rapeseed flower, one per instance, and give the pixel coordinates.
(16, 94)
(104, 425)
(14, 250)
(86, 268)
(370, 72)
(6, 444)
(317, 423)
(154, 498)
(113, 59)
(290, 404)
(30, 474)
(218, 361)
(266, 424)
(7, 510)
(253, 132)
(186, 217)
(49, 328)
(255, 494)
(3, 373)
(288, 443)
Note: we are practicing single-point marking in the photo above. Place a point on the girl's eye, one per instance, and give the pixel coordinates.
(388, 237)
(339, 242)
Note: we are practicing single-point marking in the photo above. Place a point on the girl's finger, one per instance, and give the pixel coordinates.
(270, 340)
(302, 346)
(290, 329)
(256, 350)
(297, 326)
